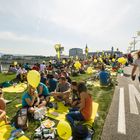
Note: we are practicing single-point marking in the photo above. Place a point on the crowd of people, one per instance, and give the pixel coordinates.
(56, 82)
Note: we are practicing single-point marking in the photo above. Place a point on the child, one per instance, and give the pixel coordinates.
(85, 106)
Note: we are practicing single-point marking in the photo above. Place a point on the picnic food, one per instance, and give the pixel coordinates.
(48, 123)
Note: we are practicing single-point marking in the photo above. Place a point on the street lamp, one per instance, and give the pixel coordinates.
(134, 42)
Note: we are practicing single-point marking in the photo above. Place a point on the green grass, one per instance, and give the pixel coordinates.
(103, 96)
(6, 77)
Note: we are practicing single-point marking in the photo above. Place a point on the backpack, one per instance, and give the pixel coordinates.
(21, 119)
(80, 132)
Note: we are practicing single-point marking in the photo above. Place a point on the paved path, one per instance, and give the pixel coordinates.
(123, 120)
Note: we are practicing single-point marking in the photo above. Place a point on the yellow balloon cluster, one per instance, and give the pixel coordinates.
(89, 70)
(122, 60)
(33, 78)
(64, 130)
(77, 65)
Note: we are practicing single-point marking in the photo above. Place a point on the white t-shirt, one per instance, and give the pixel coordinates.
(42, 67)
(137, 62)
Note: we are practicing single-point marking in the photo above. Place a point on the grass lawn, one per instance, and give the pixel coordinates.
(103, 96)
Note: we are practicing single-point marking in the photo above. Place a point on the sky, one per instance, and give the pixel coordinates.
(35, 26)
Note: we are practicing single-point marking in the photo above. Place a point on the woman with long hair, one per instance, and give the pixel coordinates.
(85, 107)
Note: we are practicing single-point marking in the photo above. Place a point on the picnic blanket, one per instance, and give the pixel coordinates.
(5, 131)
(16, 89)
(62, 110)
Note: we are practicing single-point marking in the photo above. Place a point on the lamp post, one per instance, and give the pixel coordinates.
(134, 42)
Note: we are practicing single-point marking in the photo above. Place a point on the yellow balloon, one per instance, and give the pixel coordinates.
(77, 65)
(64, 62)
(95, 60)
(113, 60)
(101, 60)
(15, 63)
(33, 78)
(89, 70)
(64, 130)
(122, 60)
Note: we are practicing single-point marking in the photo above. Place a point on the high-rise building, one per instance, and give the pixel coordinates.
(76, 52)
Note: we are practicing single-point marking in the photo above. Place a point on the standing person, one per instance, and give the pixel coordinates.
(130, 58)
(42, 67)
(136, 64)
(85, 107)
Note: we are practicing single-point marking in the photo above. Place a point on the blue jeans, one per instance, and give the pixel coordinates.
(73, 109)
(74, 116)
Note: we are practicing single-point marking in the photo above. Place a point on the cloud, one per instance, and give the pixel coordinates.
(9, 36)
(73, 23)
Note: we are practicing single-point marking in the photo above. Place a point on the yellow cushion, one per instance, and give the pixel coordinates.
(63, 110)
(94, 112)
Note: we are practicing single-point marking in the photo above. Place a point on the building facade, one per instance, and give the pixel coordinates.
(76, 52)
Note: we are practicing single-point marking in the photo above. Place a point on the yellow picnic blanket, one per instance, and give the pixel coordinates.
(16, 89)
(62, 110)
(5, 131)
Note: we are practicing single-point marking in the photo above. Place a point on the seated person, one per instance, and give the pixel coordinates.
(63, 90)
(36, 67)
(85, 107)
(43, 92)
(50, 67)
(31, 99)
(52, 83)
(2, 108)
(65, 74)
(43, 78)
(75, 100)
(104, 77)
